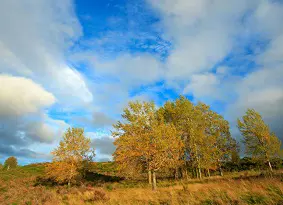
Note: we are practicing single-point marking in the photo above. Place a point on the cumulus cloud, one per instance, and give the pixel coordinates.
(22, 118)
(19, 96)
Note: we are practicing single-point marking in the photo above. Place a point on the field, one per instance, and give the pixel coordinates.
(18, 186)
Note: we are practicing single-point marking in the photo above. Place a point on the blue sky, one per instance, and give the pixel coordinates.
(78, 63)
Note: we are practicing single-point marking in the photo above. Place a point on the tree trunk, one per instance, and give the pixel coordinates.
(69, 184)
(220, 170)
(176, 174)
(196, 173)
(149, 177)
(199, 171)
(181, 173)
(208, 172)
(270, 166)
(153, 180)
(185, 175)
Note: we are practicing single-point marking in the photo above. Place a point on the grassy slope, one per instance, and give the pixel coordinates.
(17, 187)
(22, 172)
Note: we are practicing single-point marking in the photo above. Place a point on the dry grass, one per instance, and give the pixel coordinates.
(215, 191)
(259, 191)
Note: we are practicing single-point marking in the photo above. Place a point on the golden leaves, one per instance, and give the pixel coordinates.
(69, 157)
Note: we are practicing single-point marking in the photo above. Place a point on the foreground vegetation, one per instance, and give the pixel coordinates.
(20, 186)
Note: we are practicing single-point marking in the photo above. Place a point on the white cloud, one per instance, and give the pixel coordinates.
(204, 32)
(19, 96)
(129, 70)
(34, 39)
(202, 85)
(22, 112)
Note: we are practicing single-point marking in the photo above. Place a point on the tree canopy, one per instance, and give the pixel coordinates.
(259, 141)
(175, 136)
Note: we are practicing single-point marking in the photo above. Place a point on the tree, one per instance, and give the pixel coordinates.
(145, 141)
(11, 163)
(205, 134)
(260, 143)
(138, 119)
(181, 114)
(70, 157)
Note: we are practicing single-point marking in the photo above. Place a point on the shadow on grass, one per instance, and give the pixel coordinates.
(101, 178)
(89, 178)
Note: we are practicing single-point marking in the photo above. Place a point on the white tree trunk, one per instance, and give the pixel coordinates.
(270, 166)
(149, 177)
(153, 180)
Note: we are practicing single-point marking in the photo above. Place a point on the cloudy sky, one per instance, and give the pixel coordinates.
(77, 63)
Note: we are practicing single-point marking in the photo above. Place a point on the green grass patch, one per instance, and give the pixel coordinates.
(22, 172)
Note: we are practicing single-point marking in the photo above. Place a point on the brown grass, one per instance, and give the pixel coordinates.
(215, 191)
(262, 191)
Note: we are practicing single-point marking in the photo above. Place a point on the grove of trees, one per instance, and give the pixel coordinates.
(182, 137)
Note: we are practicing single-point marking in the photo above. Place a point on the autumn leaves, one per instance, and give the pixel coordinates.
(260, 142)
(176, 136)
